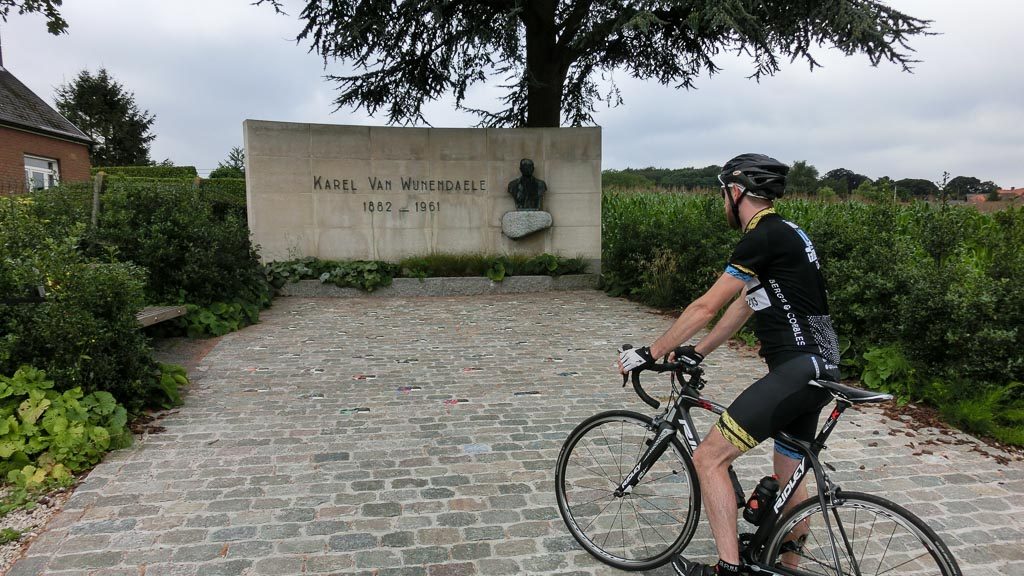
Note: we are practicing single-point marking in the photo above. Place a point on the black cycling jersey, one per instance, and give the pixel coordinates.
(785, 288)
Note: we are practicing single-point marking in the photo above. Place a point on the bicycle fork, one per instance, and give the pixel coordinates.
(664, 433)
(655, 449)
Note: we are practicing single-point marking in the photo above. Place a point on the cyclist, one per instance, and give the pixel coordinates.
(775, 271)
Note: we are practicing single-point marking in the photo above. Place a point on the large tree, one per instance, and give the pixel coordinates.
(552, 53)
(50, 9)
(843, 181)
(107, 113)
(233, 167)
(961, 186)
(802, 178)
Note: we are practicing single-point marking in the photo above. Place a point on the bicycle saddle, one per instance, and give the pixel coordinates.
(851, 394)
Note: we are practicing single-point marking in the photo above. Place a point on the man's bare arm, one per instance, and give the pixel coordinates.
(734, 318)
(697, 315)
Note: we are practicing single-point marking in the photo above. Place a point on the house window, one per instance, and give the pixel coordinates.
(41, 173)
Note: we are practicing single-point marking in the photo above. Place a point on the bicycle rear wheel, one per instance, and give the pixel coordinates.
(872, 536)
(639, 530)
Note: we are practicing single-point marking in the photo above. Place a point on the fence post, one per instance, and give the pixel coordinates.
(97, 187)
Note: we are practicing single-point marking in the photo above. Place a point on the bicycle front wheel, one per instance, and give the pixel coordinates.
(635, 531)
(872, 536)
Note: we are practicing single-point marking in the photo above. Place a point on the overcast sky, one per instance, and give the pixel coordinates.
(204, 66)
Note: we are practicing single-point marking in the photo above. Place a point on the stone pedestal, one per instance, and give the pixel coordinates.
(522, 223)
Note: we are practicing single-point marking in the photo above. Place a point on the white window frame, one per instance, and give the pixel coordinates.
(51, 175)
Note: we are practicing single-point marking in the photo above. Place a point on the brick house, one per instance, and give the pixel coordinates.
(38, 146)
(1011, 194)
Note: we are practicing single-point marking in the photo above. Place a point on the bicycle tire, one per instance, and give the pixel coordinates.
(905, 544)
(661, 513)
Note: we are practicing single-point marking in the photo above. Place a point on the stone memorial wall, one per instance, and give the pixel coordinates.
(361, 192)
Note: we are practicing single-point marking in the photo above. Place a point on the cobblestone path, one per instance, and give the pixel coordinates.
(418, 437)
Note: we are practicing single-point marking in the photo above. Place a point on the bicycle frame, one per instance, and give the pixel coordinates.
(676, 418)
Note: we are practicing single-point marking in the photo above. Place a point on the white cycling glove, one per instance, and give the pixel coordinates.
(634, 358)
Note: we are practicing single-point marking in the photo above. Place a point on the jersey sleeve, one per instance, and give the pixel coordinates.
(747, 257)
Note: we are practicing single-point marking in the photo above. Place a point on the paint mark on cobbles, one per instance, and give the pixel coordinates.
(365, 377)
(569, 374)
(527, 393)
(408, 389)
(472, 369)
(352, 411)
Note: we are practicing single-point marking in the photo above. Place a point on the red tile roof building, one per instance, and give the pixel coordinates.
(38, 146)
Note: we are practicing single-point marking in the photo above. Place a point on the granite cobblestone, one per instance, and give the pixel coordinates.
(384, 436)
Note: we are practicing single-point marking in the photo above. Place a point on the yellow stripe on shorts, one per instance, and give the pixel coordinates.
(735, 433)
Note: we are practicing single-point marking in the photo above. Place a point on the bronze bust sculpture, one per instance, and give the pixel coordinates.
(527, 190)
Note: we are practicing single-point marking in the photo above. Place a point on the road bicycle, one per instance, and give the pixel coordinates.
(628, 492)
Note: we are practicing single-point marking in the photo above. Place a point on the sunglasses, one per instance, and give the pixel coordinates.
(725, 187)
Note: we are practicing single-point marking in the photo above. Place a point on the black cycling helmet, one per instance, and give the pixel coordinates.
(761, 176)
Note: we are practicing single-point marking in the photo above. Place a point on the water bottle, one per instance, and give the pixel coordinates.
(761, 499)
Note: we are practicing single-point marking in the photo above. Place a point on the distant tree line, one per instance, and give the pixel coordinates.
(804, 179)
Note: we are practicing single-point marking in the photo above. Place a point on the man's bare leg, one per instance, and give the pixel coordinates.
(784, 468)
(712, 459)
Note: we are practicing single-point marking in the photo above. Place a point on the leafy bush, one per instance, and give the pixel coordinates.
(370, 275)
(494, 267)
(45, 435)
(639, 228)
(84, 335)
(193, 255)
(226, 196)
(148, 171)
(219, 318)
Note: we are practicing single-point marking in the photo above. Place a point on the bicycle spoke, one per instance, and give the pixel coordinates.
(867, 541)
(659, 508)
(818, 546)
(639, 529)
(606, 475)
(612, 527)
(659, 478)
(598, 515)
(886, 551)
(922, 555)
(656, 529)
(850, 554)
(622, 529)
(585, 487)
(601, 474)
(622, 426)
(595, 500)
(607, 447)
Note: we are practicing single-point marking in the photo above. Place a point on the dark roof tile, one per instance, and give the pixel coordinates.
(21, 108)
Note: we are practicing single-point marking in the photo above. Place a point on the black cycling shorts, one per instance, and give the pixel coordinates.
(781, 401)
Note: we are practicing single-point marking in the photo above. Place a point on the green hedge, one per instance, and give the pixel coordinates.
(193, 254)
(148, 171)
(226, 195)
(926, 299)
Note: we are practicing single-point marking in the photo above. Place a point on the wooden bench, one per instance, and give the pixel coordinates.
(154, 314)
